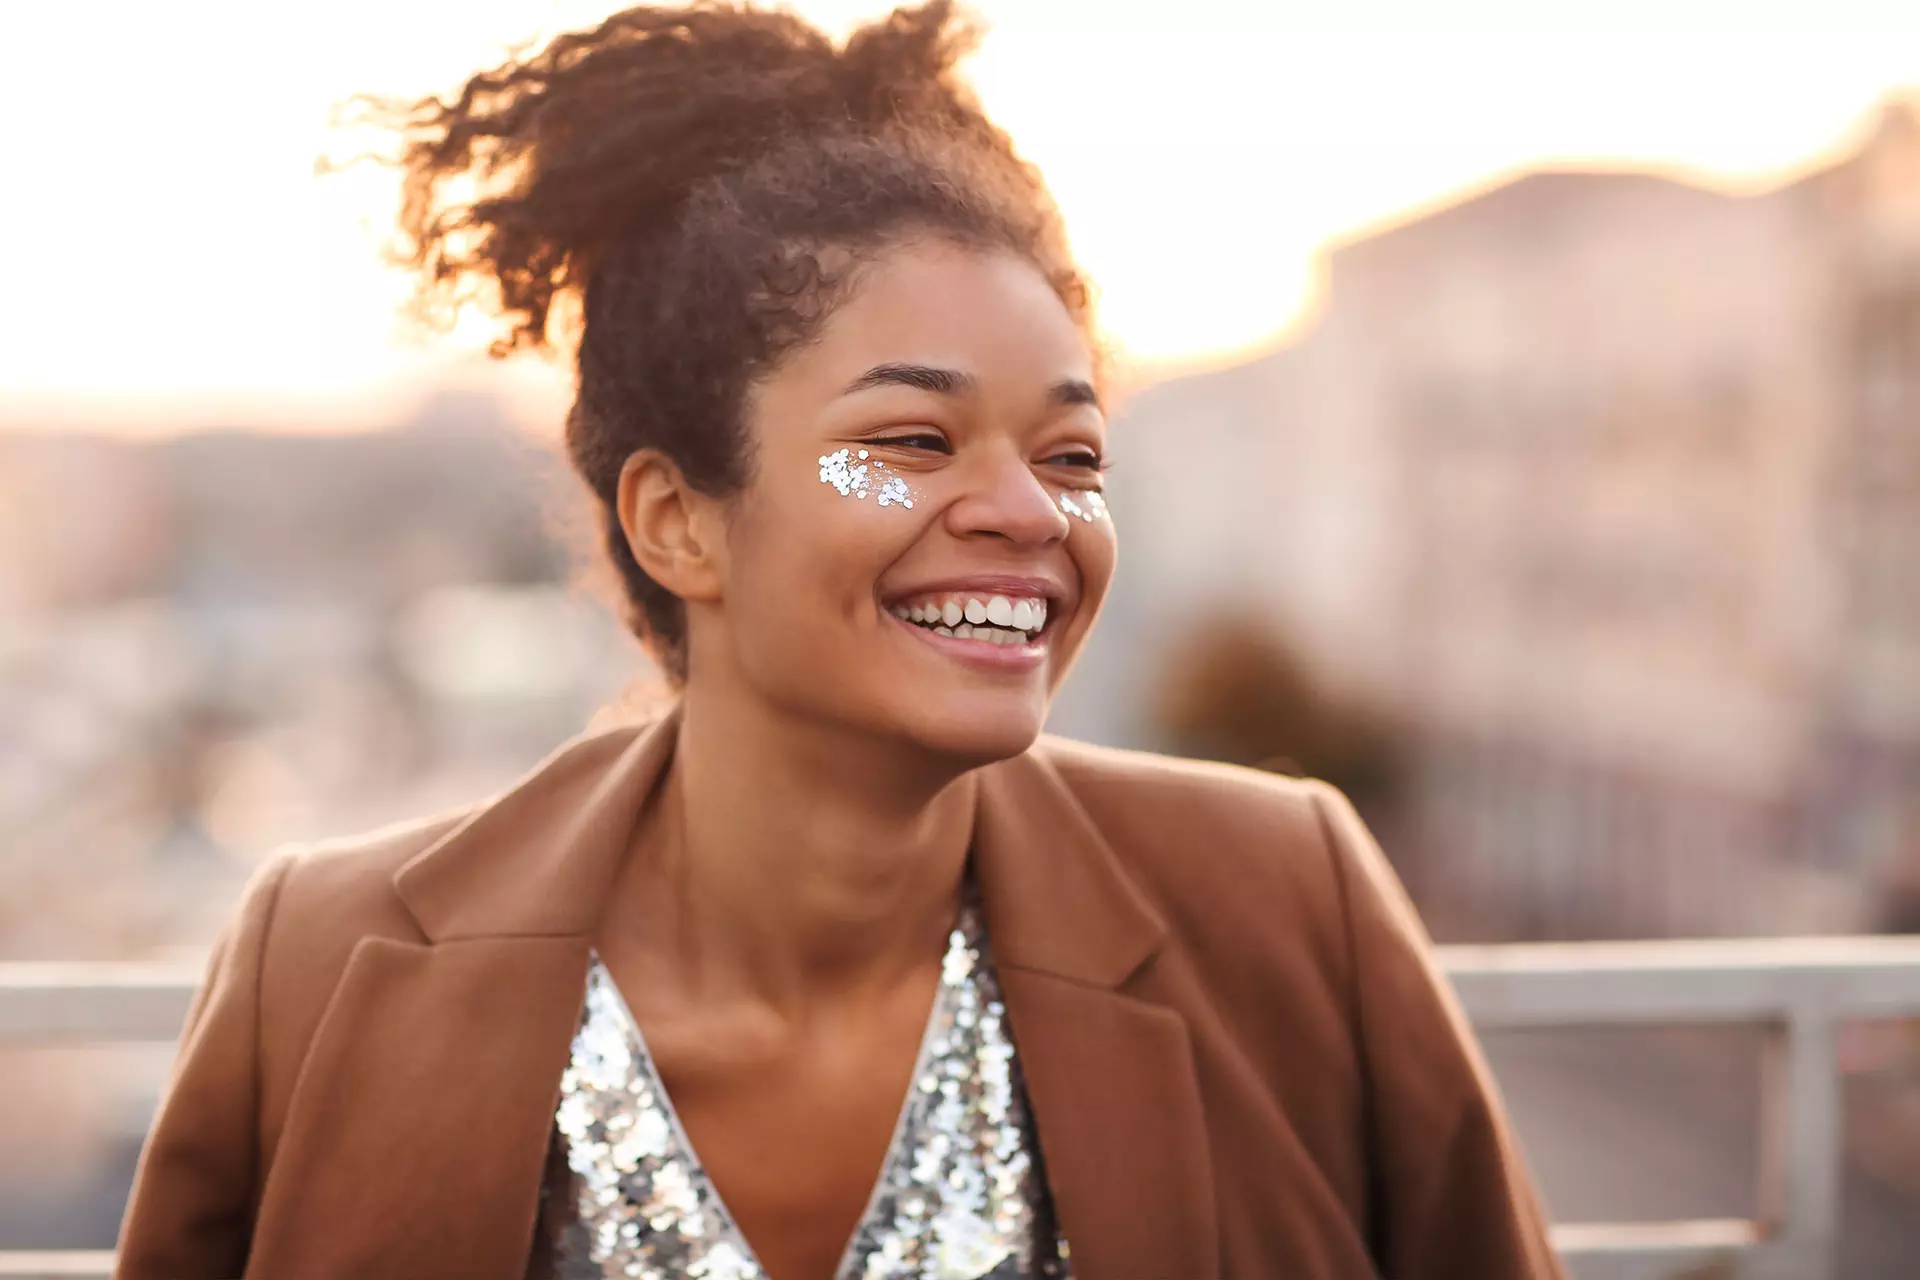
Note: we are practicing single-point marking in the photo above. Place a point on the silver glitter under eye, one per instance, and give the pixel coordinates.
(962, 1194)
(856, 477)
(1087, 504)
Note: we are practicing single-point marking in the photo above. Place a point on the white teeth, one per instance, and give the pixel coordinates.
(983, 633)
(995, 620)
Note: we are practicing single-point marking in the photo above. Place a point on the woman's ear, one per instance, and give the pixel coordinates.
(675, 532)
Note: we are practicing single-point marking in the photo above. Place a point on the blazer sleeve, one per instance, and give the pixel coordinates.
(1450, 1193)
(190, 1215)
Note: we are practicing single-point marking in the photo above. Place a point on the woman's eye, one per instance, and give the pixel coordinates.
(1085, 458)
(930, 440)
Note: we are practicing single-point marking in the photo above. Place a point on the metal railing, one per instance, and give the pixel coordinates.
(1800, 990)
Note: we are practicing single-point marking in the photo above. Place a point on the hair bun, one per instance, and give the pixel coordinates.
(903, 66)
(574, 147)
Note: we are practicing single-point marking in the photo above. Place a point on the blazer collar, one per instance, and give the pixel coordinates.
(538, 860)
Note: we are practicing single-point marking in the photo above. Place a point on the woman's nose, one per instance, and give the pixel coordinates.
(1005, 499)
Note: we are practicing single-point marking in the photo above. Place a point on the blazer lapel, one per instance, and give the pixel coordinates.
(435, 1073)
(1110, 1076)
(437, 1066)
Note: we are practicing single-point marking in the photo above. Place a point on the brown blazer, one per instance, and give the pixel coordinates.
(1241, 1059)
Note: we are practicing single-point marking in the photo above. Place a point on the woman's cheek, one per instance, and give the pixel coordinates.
(1091, 538)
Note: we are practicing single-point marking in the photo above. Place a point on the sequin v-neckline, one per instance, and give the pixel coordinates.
(698, 1170)
(961, 1188)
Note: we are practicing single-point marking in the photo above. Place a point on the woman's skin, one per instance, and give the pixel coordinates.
(779, 922)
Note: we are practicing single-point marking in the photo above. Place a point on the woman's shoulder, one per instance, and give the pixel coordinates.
(351, 876)
(322, 897)
(315, 900)
(1213, 840)
(1254, 877)
(1238, 810)
(1116, 771)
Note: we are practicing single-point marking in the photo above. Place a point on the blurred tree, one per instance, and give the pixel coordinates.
(1235, 691)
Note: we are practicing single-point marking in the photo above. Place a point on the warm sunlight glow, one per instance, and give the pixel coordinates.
(173, 260)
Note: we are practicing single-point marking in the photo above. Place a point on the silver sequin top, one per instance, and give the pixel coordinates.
(962, 1194)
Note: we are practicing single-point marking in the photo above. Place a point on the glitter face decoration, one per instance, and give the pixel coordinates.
(856, 474)
(1084, 504)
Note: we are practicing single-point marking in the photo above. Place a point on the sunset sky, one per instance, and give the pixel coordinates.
(174, 262)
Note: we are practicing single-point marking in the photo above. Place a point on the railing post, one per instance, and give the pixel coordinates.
(1801, 1144)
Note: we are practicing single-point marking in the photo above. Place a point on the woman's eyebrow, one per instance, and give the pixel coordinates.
(1072, 391)
(946, 382)
(953, 382)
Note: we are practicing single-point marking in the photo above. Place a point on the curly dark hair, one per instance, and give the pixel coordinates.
(677, 175)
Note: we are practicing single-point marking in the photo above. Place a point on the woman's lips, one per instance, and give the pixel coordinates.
(1018, 656)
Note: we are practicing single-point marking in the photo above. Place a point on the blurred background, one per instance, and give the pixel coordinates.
(1521, 429)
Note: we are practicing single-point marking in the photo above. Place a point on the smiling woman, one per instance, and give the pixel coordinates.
(838, 968)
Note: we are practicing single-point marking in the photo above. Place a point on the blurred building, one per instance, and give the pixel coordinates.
(217, 643)
(1872, 717)
(1608, 485)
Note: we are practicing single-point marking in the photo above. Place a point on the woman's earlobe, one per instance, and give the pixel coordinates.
(660, 514)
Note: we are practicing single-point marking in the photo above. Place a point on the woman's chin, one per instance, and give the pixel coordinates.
(978, 734)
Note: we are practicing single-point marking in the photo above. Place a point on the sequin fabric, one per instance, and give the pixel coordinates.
(962, 1194)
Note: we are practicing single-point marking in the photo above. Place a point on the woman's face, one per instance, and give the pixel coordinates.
(923, 546)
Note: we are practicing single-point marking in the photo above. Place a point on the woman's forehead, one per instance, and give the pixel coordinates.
(987, 315)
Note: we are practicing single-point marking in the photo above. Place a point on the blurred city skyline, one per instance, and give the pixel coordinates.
(1204, 169)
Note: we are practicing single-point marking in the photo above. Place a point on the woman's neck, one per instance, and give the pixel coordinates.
(791, 862)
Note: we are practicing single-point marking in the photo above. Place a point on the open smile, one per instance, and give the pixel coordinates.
(1002, 632)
